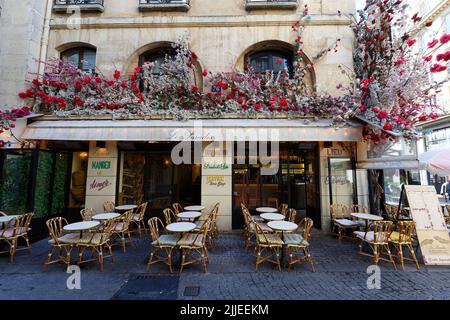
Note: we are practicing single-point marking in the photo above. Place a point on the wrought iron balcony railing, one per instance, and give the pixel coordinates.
(271, 4)
(83, 5)
(164, 5)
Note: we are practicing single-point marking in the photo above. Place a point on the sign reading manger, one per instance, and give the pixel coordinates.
(431, 229)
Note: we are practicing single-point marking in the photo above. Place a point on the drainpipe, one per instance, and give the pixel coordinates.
(45, 37)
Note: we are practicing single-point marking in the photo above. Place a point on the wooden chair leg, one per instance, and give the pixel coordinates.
(391, 258)
(413, 256)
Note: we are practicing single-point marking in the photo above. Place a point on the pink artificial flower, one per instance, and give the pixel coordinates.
(437, 68)
(445, 38)
(432, 43)
(411, 42)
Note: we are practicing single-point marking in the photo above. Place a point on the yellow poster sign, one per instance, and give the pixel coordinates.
(431, 229)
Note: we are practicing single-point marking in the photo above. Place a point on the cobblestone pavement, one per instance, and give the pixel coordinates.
(341, 274)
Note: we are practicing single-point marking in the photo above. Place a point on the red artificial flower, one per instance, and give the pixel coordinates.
(434, 116)
(87, 80)
(279, 61)
(110, 83)
(223, 85)
(416, 17)
(445, 38)
(257, 107)
(116, 74)
(36, 82)
(29, 92)
(62, 86)
(429, 24)
(137, 69)
(78, 85)
(382, 114)
(98, 79)
(411, 42)
(123, 84)
(244, 107)
(230, 96)
(195, 89)
(283, 102)
(375, 110)
(443, 56)
(205, 72)
(140, 97)
(423, 117)
(194, 55)
(40, 93)
(62, 104)
(22, 95)
(432, 43)
(400, 61)
(438, 68)
(240, 100)
(363, 108)
(405, 37)
(428, 58)
(388, 126)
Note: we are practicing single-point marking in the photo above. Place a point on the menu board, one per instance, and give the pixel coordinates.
(432, 233)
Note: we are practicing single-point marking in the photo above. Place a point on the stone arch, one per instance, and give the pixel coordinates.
(133, 60)
(276, 45)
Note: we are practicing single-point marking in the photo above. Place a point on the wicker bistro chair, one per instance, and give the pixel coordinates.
(213, 231)
(283, 208)
(97, 242)
(296, 242)
(404, 237)
(447, 217)
(63, 242)
(340, 220)
(378, 241)
(169, 216)
(137, 218)
(165, 243)
(191, 244)
(109, 206)
(271, 244)
(177, 208)
(291, 215)
(354, 208)
(250, 231)
(15, 230)
(121, 227)
(87, 214)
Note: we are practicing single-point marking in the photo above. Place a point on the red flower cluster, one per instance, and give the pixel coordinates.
(437, 68)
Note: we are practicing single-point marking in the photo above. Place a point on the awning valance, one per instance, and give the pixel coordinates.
(194, 130)
(389, 164)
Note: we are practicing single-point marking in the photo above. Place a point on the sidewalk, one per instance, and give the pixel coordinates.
(341, 274)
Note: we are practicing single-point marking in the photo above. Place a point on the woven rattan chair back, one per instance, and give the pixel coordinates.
(141, 210)
(338, 211)
(405, 231)
(21, 224)
(109, 206)
(291, 215)
(283, 209)
(382, 231)
(169, 216)
(87, 214)
(358, 208)
(261, 237)
(305, 226)
(55, 227)
(154, 225)
(177, 208)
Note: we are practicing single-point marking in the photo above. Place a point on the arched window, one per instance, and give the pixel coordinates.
(271, 60)
(82, 57)
(158, 57)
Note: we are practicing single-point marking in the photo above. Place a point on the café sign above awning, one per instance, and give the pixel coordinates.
(193, 130)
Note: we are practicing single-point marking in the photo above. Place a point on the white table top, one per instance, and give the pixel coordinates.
(4, 219)
(282, 225)
(80, 226)
(366, 216)
(181, 227)
(272, 216)
(189, 214)
(106, 216)
(266, 209)
(127, 207)
(194, 208)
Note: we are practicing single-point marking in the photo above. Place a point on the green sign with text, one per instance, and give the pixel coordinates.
(98, 165)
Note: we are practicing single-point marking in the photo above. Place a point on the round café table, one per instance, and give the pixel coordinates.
(181, 227)
(366, 217)
(105, 216)
(272, 216)
(194, 208)
(283, 226)
(81, 226)
(190, 215)
(266, 210)
(126, 207)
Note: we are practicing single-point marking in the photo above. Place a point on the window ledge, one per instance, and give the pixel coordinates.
(83, 7)
(260, 5)
(184, 7)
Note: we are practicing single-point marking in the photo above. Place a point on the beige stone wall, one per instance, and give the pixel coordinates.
(221, 34)
(21, 27)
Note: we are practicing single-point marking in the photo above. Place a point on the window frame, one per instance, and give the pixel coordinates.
(81, 53)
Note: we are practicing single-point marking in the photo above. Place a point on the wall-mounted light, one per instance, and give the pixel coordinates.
(101, 148)
(83, 155)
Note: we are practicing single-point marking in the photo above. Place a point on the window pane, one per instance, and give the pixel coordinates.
(342, 180)
(88, 62)
(14, 184)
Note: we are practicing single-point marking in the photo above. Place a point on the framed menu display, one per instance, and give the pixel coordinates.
(432, 232)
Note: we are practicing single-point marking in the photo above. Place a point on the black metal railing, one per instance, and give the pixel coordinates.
(162, 2)
(78, 2)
